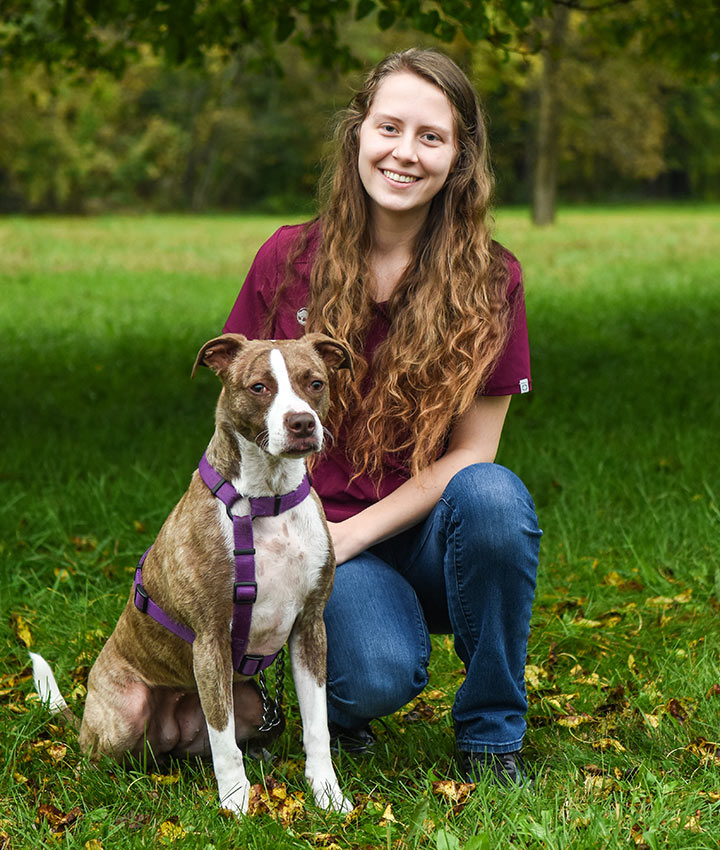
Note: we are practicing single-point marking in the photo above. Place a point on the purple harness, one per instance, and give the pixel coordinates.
(245, 586)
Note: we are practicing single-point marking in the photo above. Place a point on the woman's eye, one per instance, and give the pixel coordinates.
(258, 389)
(431, 137)
(387, 128)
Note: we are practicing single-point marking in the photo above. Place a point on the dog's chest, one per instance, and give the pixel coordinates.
(291, 553)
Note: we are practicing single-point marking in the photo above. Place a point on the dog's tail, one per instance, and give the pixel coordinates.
(48, 690)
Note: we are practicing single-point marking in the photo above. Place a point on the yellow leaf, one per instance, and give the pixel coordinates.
(602, 785)
(533, 675)
(613, 579)
(93, 844)
(22, 630)
(388, 816)
(572, 720)
(57, 752)
(652, 720)
(659, 601)
(165, 778)
(452, 791)
(608, 744)
(170, 832)
(587, 624)
(684, 597)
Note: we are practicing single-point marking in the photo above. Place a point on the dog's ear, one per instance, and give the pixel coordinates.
(218, 353)
(335, 354)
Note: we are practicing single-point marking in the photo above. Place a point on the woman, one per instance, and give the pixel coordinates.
(430, 535)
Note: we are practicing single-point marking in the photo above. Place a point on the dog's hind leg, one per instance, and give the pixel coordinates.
(213, 675)
(308, 658)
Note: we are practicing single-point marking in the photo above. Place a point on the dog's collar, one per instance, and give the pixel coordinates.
(244, 586)
(259, 505)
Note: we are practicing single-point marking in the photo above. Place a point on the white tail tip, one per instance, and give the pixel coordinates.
(46, 686)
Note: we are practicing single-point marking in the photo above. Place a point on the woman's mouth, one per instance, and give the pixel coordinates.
(399, 178)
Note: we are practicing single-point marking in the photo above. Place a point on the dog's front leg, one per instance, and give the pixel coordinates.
(212, 666)
(308, 658)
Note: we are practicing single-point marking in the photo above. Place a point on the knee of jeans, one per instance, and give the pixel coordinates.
(486, 488)
(377, 684)
(491, 497)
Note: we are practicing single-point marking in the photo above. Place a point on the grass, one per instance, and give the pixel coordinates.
(101, 428)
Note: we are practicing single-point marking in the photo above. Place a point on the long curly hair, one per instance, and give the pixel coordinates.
(449, 311)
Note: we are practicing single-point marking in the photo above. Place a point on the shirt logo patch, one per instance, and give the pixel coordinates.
(524, 385)
(302, 315)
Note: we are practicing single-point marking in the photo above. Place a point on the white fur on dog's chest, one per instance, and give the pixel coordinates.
(291, 551)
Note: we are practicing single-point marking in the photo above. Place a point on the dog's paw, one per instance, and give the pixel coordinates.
(329, 796)
(236, 798)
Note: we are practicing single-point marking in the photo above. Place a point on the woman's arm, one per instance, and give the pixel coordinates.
(474, 439)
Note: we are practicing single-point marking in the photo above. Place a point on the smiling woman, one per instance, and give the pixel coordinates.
(429, 533)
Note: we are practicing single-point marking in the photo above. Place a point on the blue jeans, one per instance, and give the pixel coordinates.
(468, 570)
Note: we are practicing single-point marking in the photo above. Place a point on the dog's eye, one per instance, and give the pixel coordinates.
(317, 386)
(258, 389)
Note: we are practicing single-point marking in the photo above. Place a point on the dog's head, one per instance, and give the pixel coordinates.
(275, 392)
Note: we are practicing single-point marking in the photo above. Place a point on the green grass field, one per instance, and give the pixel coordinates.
(101, 428)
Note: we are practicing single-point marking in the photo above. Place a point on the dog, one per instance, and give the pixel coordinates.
(174, 677)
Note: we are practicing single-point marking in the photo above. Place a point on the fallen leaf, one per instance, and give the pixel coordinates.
(534, 676)
(572, 720)
(165, 778)
(713, 692)
(601, 785)
(420, 712)
(22, 630)
(170, 831)
(273, 799)
(452, 791)
(388, 816)
(608, 744)
(93, 844)
(693, 823)
(57, 821)
(659, 602)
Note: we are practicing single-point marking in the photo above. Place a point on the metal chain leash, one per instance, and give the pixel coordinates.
(272, 708)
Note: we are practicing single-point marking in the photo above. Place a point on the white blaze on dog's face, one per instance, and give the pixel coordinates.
(293, 425)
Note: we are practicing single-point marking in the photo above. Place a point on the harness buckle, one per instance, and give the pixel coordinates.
(142, 603)
(244, 593)
(250, 665)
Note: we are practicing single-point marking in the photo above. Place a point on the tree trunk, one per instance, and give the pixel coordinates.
(546, 154)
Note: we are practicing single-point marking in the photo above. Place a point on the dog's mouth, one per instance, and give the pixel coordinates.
(301, 446)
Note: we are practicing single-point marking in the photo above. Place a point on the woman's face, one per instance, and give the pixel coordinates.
(407, 144)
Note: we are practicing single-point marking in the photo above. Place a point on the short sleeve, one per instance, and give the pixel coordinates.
(251, 307)
(512, 372)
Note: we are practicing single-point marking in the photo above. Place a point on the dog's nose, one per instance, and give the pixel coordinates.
(300, 424)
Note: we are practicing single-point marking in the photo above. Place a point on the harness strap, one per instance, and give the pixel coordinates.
(244, 585)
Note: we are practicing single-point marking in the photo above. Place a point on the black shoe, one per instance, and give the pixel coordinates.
(357, 742)
(504, 768)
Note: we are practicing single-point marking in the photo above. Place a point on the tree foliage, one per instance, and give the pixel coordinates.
(102, 34)
(109, 33)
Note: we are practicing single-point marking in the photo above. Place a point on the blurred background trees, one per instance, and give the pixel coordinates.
(188, 105)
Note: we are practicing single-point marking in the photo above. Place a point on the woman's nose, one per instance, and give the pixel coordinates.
(405, 149)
